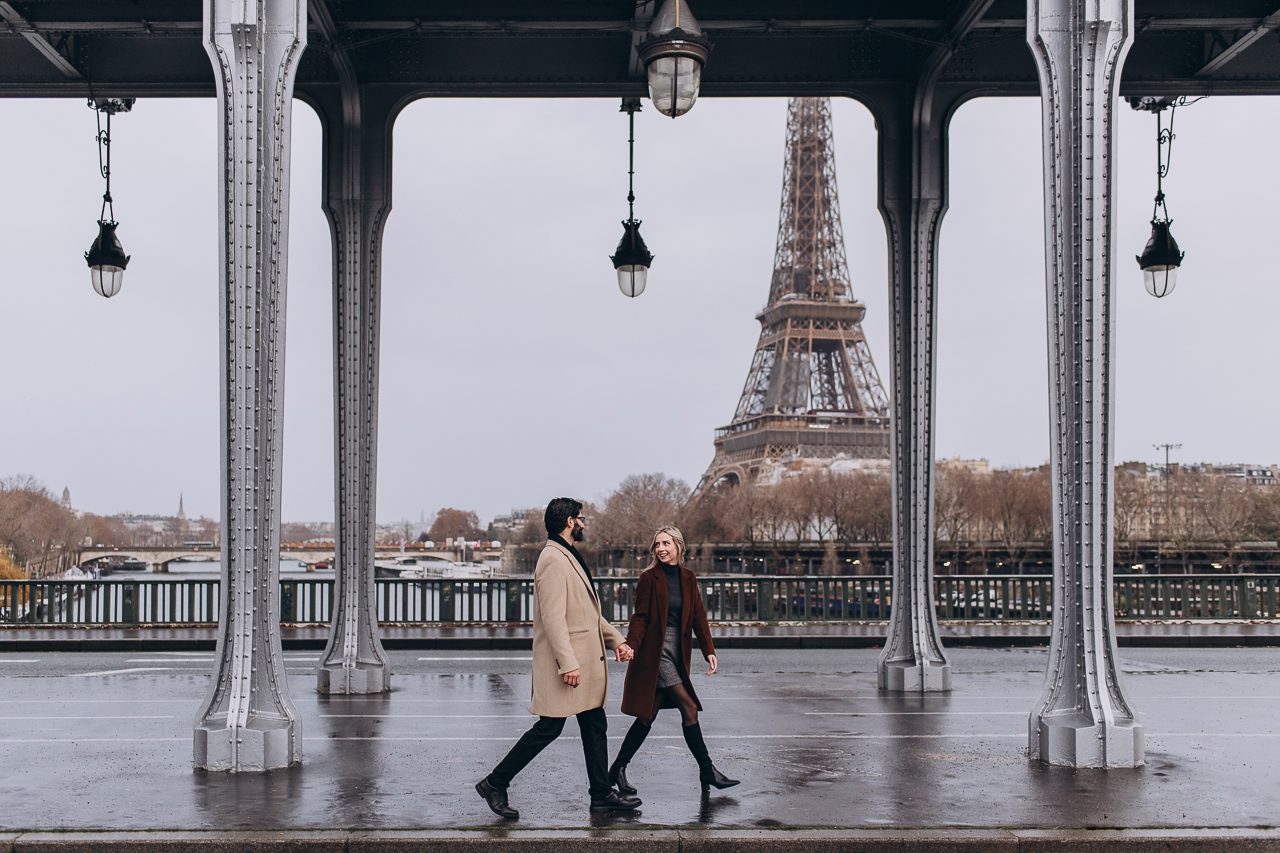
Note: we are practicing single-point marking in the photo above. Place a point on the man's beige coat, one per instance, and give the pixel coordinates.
(568, 633)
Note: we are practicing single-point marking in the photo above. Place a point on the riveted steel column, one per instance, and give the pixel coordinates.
(357, 198)
(913, 156)
(1083, 718)
(248, 722)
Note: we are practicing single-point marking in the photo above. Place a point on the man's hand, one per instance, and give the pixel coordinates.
(624, 652)
(711, 670)
(571, 677)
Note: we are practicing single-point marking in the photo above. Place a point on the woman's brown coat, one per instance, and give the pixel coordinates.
(644, 635)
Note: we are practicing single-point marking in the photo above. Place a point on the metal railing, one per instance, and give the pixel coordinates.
(728, 599)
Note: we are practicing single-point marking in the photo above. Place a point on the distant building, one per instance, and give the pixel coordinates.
(507, 526)
(973, 466)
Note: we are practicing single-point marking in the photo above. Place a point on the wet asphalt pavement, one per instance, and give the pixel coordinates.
(103, 741)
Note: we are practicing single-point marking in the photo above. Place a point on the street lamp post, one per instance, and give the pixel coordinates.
(106, 257)
(1161, 258)
(1166, 486)
(632, 258)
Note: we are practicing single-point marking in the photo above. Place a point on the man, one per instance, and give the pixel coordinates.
(570, 674)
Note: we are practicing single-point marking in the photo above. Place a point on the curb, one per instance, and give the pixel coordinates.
(502, 840)
(831, 641)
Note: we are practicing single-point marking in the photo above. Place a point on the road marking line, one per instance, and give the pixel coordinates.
(209, 659)
(19, 660)
(526, 658)
(507, 738)
(124, 671)
(75, 740)
(78, 701)
(914, 713)
(169, 660)
(428, 716)
(98, 717)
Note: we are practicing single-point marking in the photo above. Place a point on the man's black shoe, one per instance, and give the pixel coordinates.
(496, 798)
(614, 802)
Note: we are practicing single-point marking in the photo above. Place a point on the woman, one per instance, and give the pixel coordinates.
(668, 610)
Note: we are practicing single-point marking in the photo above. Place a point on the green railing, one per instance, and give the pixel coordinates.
(728, 599)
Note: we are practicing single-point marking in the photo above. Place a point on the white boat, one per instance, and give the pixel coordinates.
(425, 567)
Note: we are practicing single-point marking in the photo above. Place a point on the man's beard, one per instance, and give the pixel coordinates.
(578, 534)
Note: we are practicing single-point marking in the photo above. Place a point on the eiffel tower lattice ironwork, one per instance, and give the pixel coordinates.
(813, 391)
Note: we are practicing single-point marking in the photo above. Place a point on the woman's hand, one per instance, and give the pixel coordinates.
(711, 670)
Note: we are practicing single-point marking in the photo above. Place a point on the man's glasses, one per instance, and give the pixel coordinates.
(581, 518)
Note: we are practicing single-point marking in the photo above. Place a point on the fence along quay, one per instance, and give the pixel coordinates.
(308, 601)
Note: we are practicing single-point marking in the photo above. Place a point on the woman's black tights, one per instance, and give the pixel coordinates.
(677, 695)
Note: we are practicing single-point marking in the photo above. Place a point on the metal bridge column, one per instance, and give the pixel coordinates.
(1083, 718)
(357, 198)
(248, 722)
(912, 160)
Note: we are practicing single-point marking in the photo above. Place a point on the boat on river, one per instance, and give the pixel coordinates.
(426, 567)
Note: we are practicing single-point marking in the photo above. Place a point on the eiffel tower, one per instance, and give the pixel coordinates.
(813, 394)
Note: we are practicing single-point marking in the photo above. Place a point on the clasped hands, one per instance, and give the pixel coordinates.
(624, 653)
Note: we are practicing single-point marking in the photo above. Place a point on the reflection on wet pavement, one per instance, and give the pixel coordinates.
(807, 732)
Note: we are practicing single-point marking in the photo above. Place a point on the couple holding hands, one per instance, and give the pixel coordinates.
(570, 673)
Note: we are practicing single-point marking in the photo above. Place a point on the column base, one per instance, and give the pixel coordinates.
(905, 677)
(337, 680)
(1072, 740)
(264, 744)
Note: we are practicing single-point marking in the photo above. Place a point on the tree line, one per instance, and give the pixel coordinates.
(1177, 511)
(1008, 511)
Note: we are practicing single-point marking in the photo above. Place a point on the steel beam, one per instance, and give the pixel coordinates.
(29, 32)
(1082, 718)
(640, 20)
(913, 200)
(357, 199)
(1240, 45)
(248, 722)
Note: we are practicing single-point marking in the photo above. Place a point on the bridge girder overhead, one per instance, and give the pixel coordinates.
(574, 47)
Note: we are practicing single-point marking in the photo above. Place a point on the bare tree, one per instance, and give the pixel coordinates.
(1265, 512)
(860, 505)
(1184, 490)
(1019, 505)
(640, 505)
(1225, 511)
(739, 511)
(955, 500)
(1132, 504)
(36, 529)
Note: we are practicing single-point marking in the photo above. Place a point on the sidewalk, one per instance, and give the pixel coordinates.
(802, 635)
(100, 761)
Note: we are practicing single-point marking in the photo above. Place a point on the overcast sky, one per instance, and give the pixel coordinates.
(512, 368)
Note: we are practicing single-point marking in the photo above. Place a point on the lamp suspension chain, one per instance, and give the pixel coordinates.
(1164, 159)
(104, 161)
(631, 157)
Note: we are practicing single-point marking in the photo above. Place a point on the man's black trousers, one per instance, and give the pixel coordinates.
(595, 749)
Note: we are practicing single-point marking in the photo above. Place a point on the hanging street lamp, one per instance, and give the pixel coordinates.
(106, 257)
(1161, 258)
(673, 53)
(632, 257)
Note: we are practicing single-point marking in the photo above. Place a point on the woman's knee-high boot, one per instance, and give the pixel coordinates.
(630, 744)
(707, 772)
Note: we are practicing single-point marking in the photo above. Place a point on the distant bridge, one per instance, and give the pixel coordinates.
(159, 558)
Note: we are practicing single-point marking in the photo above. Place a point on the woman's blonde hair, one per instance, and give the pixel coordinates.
(676, 536)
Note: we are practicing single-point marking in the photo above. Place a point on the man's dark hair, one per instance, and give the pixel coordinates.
(558, 513)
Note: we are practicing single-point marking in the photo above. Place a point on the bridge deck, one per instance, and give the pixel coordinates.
(104, 741)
